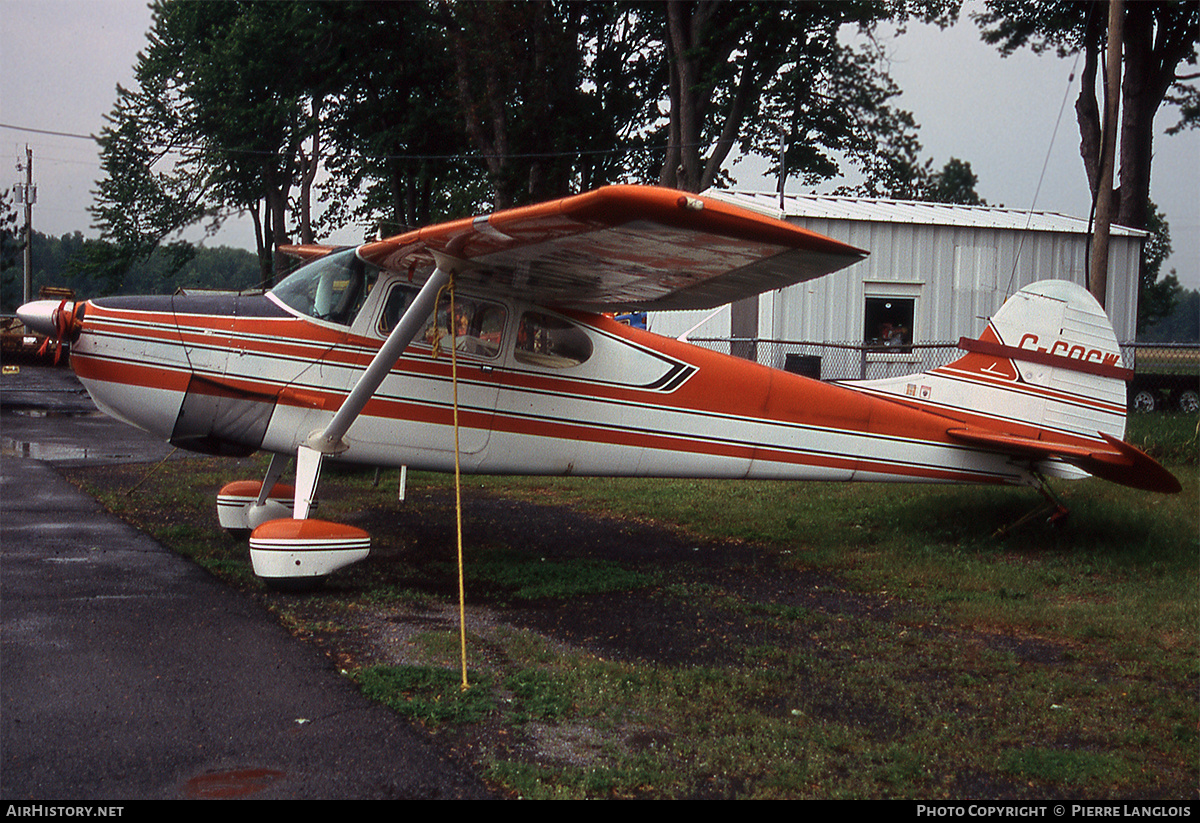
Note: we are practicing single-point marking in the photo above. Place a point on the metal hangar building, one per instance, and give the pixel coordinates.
(936, 272)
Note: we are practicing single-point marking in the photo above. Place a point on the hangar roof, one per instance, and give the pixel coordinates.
(830, 207)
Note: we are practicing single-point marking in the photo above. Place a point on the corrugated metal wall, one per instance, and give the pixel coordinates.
(957, 276)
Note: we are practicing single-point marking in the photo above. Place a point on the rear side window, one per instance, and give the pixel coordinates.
(551, 342)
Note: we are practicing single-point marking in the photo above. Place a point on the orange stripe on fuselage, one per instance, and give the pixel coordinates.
(109, 370)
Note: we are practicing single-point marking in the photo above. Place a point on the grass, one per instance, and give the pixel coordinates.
(432, 694)
(854, 641)
(1068, 767)
(518, 577)
(1168, 437)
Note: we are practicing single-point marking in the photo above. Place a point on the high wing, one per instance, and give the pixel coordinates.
(617, 248)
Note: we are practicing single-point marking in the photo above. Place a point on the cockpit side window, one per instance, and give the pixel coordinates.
(551, 342)
(393, 307)
(478, 326)
(332, 288)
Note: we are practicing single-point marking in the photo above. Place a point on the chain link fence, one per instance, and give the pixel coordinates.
(835, 361)
(1166, 376)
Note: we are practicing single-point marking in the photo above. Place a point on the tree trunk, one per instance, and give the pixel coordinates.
(308, 173)
(682, 30)
(484, 113)
(276, 221)
(1140, 94)
(1087, 111)
(260, 241)
(668, 176)
(1105, 207)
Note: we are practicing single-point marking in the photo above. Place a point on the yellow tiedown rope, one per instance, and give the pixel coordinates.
(452, 323)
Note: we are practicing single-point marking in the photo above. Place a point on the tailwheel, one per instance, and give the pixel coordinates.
(239, 511)
(299, 554)
(1055, 512)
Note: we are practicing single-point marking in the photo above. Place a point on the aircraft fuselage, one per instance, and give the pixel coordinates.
(539, 391)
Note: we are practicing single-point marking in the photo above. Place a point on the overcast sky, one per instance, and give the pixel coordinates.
(61, 60)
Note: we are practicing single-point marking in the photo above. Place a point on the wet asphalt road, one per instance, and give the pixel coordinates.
(127, 673)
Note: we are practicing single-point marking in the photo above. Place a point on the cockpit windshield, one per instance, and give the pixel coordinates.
(331, 288)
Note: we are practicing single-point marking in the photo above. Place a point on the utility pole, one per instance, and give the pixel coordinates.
(1098, 268)
(27, 194)
(782, 168)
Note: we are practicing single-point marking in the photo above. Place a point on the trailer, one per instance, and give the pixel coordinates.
(1166, 377)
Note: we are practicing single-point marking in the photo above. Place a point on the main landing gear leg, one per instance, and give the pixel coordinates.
(246, 504)
(300, 552)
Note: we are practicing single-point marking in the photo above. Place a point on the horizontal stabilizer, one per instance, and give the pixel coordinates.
(1117, 461)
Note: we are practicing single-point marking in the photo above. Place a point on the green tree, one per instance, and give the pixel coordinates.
(955, 183)
(62, 261)
(228, 104)
(552, 95)
(1157, 297)
(11, 245)
(421, 111)
(564, 95)
(1182, 325)
(400, 151)
(1159, 38)
(138, 204)
(742, 73)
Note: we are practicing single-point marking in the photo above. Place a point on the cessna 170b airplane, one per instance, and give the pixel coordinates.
(340, 361)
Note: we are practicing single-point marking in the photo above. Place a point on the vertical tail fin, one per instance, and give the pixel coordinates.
(1047, 366)
(1044, 382)
(1052, 346)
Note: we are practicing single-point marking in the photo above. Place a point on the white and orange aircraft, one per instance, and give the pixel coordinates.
(488, 341)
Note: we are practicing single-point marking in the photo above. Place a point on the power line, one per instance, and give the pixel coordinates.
(472, 156)
(90, 137)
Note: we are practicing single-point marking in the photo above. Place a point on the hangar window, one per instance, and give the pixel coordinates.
(889, 323)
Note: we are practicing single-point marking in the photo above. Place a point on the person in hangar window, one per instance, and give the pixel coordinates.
(888, 324)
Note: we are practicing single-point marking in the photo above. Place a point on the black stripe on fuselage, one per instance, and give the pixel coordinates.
(208, 303)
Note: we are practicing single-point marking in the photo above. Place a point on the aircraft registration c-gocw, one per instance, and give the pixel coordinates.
(488, 340)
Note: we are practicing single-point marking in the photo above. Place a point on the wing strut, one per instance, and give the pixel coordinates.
(329, 441)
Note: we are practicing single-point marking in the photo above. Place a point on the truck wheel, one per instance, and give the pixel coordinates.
(1143, 400)
(1188, 401)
